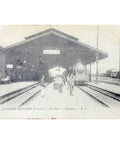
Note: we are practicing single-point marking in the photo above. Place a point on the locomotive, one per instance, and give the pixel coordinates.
(80, 77)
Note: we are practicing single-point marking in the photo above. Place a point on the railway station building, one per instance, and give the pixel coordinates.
(31, 58)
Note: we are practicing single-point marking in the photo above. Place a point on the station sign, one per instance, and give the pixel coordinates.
(9, 66)
(51, 52)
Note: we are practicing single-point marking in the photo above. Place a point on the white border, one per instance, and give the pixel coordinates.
(59, 12)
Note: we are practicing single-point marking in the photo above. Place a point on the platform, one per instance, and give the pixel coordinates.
(50, 103)
(8, 88)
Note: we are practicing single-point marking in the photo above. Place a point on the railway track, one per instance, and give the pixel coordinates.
(12, 95)
(105, 98)
(32, 96)
(21, 97)
(29, 98)
(110, 94)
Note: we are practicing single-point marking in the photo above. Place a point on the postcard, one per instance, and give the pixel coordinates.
(59, 72)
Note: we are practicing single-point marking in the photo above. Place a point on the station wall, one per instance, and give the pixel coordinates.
(29, 62)
(2, 64)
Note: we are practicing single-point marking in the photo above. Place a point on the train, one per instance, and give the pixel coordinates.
(80, 77)
(78, 70)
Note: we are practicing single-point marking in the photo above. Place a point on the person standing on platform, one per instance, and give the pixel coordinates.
(43, 85)
(42, 82)
(64, 79)
(71, 83)
(70, 70)
(60, 82)
(68, 85)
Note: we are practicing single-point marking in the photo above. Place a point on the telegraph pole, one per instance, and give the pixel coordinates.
(97, 55)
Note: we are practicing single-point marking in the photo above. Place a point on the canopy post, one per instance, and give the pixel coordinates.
(97, 56)
(85, 69)
(90, 74)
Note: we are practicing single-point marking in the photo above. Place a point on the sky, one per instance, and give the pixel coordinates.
(109, 36)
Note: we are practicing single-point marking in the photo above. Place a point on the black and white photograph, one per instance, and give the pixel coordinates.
(59, 71)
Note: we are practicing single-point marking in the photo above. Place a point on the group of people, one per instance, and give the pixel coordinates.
(60, 81)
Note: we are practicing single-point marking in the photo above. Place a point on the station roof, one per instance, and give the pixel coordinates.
(52, 30)
(87, 52)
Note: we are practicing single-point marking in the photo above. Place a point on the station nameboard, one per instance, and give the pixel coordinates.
(50, 52)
